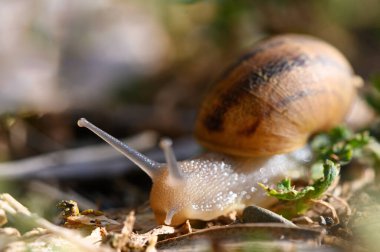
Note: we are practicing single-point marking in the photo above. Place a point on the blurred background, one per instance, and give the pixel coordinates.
(129, 67)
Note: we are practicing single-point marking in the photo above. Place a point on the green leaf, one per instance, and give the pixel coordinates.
(339, 145)
(285, 191)
(333, 149)
(330, 173)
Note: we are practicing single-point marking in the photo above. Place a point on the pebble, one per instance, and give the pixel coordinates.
(256, 214)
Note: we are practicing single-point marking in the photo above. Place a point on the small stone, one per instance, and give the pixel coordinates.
(256, 214)
(329, 221)
(322, 221)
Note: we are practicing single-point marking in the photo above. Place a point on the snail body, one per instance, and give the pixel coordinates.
(214, 184)
(265, 106)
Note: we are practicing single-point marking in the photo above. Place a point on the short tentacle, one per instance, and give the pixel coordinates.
(174, 171)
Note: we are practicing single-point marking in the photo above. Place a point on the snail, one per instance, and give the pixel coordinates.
(256, 121)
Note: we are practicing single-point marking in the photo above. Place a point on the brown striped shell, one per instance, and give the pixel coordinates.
(276, 96)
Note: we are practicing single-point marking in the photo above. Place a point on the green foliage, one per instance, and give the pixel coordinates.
(330, 173)
(339, 145)
(332, 149)
(286, 191)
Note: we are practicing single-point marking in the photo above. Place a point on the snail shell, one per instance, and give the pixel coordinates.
(276, 96)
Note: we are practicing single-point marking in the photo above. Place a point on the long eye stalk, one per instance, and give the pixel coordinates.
(149, 166)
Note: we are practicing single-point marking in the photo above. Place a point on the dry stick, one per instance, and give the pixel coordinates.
(126, 231)
(341, 201)
(13, 207)
(152, 244)
(305, 218)
(332, 209)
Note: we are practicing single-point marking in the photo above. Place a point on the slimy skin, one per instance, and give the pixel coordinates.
(214, 185)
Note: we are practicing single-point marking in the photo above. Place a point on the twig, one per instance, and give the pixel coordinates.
(16, 209)
(152, 244)
(329, 206)
(341, 201)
